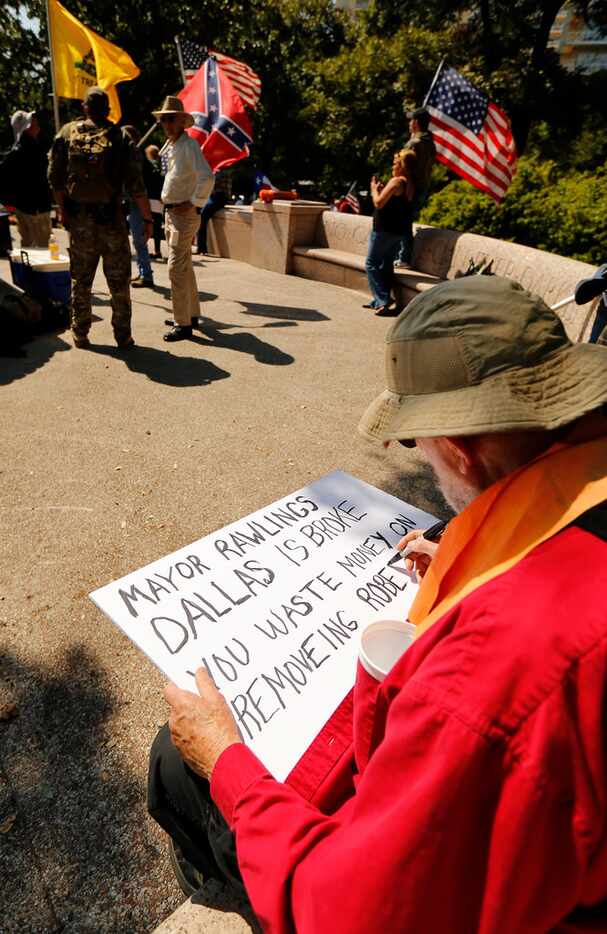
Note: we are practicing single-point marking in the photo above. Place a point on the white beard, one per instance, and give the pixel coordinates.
(457, 492)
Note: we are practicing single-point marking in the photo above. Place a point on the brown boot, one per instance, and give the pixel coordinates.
(125, 343)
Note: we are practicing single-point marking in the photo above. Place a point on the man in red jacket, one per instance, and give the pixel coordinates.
(473, 795)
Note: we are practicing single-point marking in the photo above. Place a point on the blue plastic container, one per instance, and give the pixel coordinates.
(38, 275)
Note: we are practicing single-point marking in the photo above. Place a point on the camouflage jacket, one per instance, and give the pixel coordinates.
(93, 162)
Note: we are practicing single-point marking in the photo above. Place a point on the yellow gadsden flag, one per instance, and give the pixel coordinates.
(82, 59)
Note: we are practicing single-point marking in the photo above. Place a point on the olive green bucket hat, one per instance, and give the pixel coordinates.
(480, 354)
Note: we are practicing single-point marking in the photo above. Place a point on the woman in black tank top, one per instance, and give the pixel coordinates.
(392, 219)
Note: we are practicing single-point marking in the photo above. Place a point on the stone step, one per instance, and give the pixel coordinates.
(339, 267)
(215, 909)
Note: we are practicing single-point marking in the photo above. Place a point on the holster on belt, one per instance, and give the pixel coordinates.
(101, 213)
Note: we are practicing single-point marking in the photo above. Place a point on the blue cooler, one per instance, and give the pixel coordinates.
(38, 275)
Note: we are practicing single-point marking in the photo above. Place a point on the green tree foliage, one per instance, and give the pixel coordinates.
(23, 70)
(558, 199)
(562, 212)
(335, 86)
(355, 99)
(501, 43)
(272, 36)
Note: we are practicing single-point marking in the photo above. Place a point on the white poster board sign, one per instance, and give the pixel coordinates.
(273, 606)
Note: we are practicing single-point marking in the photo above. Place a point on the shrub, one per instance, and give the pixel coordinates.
(561, 212)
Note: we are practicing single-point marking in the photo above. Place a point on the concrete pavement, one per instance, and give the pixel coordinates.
(109, 461)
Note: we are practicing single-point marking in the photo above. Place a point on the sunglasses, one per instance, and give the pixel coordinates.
(406, 443)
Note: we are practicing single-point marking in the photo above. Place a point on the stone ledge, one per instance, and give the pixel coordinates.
(348, 269)
(328, 255)
(313, 242)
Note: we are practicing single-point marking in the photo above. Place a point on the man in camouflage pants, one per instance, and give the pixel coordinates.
(91, 162)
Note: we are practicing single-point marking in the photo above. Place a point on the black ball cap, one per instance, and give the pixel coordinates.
(417, 113)
(97, 97)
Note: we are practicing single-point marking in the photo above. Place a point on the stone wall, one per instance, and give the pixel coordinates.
(347, 232)
(229, 233)
(266, 234)
(446, 252)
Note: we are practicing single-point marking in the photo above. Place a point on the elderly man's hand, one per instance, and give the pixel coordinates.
(201, 725)
(420, 552)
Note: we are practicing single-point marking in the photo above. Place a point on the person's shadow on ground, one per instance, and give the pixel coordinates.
(215, 336)
(164, 291)
(283, 311)
(73, 804)
(414, 483)
(162, 367)
(19, 362)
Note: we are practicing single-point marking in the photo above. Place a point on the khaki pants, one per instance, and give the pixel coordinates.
(179, 230)
(34, 229)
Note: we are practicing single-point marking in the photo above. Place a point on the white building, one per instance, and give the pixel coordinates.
(577, 44)
(352, 5)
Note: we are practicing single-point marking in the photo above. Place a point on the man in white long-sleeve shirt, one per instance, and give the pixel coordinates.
(187, 186)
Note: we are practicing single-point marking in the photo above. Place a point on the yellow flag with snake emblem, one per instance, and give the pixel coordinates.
(81, 59)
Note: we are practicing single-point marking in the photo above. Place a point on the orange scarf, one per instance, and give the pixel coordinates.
(508, 520)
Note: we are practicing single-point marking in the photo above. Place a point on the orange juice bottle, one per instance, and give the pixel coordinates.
(53, 248)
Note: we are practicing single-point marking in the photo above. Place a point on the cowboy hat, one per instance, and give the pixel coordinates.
(172, 105)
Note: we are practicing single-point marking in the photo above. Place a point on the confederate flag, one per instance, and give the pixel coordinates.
(221, 125)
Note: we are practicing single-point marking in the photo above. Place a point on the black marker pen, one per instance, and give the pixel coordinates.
(432, 534)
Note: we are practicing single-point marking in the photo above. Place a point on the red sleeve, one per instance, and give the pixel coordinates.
(448, 831)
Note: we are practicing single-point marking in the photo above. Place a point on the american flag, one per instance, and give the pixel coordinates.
(221, 125)
(246, 83)
(192, 56)
(472, 134)
(349, 204)
(352, 199)
(244, 79)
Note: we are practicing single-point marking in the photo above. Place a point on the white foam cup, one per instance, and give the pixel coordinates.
(382, 644)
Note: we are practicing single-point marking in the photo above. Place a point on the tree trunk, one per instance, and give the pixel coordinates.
(488, 35)
(549, 11)
(523, 123)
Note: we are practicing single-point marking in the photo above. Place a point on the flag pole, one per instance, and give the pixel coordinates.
(145, 135)
(180, 57)
(50, 49)
(434, 80)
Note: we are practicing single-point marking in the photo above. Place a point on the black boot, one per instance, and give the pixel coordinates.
(195, 322)
(179, 332)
